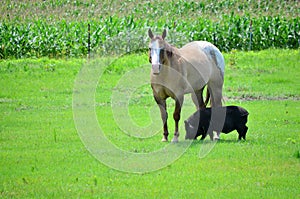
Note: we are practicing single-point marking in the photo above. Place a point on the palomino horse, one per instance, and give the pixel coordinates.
(189, 69)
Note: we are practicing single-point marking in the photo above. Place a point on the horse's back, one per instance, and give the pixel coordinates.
(196, 65)
(203, 51)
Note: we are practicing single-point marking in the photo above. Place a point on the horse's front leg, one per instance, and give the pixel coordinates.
(176, 116)
(164, 116)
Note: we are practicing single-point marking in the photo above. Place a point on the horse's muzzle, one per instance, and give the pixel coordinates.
(156, 68)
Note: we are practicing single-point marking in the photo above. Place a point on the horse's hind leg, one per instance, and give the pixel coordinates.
(198, 99)
(215, 89)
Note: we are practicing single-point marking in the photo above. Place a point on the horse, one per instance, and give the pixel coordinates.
(179, 71)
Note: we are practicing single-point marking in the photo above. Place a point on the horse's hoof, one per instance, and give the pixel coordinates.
(175, 140)
(216, 138)
(164, 139)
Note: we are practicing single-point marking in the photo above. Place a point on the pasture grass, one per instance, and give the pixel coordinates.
(42, 155)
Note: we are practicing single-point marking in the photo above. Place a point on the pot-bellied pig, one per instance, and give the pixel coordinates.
(220, 119)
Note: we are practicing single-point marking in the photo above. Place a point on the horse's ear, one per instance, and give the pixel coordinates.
(150, 33)
(164, 34)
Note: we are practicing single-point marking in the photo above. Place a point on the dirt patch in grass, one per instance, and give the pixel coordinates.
(253, 98)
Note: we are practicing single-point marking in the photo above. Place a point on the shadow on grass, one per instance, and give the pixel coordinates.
(221, 141)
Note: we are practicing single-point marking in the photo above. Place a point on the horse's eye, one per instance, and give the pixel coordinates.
(162, 53)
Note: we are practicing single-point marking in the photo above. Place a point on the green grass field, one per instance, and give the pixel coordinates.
(42, 155)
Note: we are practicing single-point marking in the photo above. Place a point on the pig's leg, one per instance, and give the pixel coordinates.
(245, 132)
(203, 136)
(242, 132)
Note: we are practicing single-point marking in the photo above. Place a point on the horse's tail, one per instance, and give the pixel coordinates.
(207, 97)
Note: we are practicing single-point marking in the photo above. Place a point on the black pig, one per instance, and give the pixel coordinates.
(225, 119)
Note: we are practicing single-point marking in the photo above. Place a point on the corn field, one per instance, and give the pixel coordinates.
(60, 28)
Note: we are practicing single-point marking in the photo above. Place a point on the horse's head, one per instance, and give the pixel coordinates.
(159, 51)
